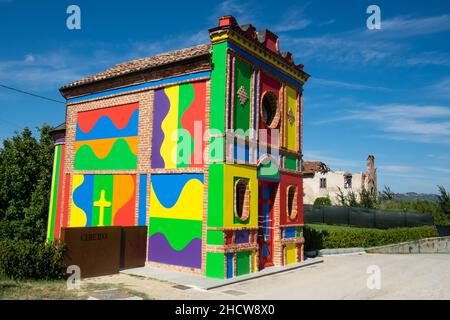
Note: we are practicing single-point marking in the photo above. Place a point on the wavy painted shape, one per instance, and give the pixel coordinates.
(177, 232)
(102, 147)
(119, 115)
(161, 105)
(159, 250)
(173, 182)
(195, 112)
(120, 157)
(124, 200)
(185, 145)
(189, 204)
(82, 198)
(169, 127)
(105, 128)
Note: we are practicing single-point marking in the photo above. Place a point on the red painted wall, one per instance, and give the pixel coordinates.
(287, 179)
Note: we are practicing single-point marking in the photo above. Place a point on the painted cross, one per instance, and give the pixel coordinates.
(242, 95)
(290, 116)
(102, 204)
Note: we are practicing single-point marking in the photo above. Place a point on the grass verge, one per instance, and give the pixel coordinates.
(55, 290)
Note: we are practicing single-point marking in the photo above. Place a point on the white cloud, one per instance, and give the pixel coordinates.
(429, 58)
(392, 168)
(343, 48)
(362, 46)
(442, 170)
(48, 71)
(404, 26)
(294, 19)
(242, 11)
(328, 22)
(441, 89)
(345, 85)
(417, 123)
(335, 163)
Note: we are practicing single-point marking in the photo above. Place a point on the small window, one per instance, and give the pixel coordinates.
(323, 183)
(269, 110)
(292, 202)
(242, 200)
(348, 182)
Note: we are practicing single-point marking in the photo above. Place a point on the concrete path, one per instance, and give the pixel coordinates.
(338, 277)
(201, 282)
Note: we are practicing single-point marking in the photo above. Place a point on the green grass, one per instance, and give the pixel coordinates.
(37, 290)
(55, 290)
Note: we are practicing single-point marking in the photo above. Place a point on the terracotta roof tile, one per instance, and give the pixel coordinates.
(144, 63)
(314, 166)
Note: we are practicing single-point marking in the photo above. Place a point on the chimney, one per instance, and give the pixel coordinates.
(371, 175)
(227, 21)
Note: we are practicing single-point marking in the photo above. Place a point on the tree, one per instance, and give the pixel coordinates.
(387, 194)
(322, 201)
(367, 199)
(25, 181)
(341, 197)
(444, 201)
(364, 199)
(352, 199)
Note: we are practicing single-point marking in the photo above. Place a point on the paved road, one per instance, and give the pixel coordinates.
(338, 277)
(345, 277)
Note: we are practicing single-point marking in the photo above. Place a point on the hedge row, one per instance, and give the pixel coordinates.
(323, 237)
(24, 259)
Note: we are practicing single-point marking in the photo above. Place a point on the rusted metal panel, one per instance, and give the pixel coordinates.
(96, 250)
(133, 247)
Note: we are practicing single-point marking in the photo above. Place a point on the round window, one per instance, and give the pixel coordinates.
(292, 202)
(269, 110)
(241, 200)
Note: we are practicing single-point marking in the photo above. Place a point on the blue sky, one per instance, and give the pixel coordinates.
(383, 92)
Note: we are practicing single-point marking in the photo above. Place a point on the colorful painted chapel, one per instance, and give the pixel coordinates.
(202, 145)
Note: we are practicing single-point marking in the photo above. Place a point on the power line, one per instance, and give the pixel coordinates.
(31, 94)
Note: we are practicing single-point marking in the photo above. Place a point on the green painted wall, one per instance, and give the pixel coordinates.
(215, 194)
(218, 86)
(242, 263)
(290, 163)
(215, 265)
(242, 76)
(217, 122)
(214, 237)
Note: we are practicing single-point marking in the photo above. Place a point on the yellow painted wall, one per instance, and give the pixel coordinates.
(291, 253)
(291, 128)
(77, 215)
(232, 171)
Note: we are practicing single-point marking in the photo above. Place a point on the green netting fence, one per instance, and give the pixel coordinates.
(365, 218)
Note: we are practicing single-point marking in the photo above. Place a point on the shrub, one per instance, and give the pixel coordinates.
(322, 201)
(323, 236)
(444, 201)
(24, 259)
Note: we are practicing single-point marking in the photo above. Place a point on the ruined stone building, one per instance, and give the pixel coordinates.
(320, 181)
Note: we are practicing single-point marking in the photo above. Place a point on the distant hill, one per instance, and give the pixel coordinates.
(411, 196)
